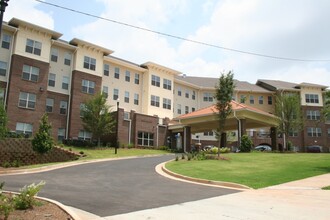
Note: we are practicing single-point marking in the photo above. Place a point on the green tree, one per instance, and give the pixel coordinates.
(43, 141)
(288, 111)
(96, 117)
(326, 107)
(3, 120)
(223, 96)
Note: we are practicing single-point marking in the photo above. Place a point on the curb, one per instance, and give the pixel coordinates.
(204, 181)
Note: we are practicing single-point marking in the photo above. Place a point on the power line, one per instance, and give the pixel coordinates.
(183, 38)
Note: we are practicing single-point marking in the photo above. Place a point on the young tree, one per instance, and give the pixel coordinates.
(288, 111)
(223, 95)
(3, 120)
(96, 117)
(43, 141)
(326, 107)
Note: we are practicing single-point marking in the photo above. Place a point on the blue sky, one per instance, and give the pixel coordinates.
(295, 28)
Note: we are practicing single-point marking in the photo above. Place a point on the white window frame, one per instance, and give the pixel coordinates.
(127, 76)
(167, 104)
(30, 73)
(155, 80)
(54, 55)
(137, 78)
(3, 68)
(126, 97)
(6, 40)
(87, 86)
(106, 69)
(49, 105)
(51, 79)
(89, 63)
(84, 135)
(167, 84)
(27, 100)
(136, 99)
(155, 101)
(24, 128)
(115, 94)
(67, 59)
(63, 107)
(33, 47)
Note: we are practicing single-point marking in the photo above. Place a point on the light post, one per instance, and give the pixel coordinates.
(3, 5)
(117, 133)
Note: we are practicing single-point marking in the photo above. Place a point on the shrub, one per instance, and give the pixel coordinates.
(189, 156)
(163, 148)
(246, 144)
(182, 156)
(200, 156)
(176, 158)
(26, 199)
(43, 141)
(6, 164)
(6, 203)
(224, 150)
(129, 146)
(16, 163)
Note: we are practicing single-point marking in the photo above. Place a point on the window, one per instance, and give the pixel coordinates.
(155, 80)
(186, 109)
(145, 139)
(27, 100)
(293, 133)
(105, 91)
(136, 99)
(51, 79)
(193, 109)
(115, 94)
(67, 59)
(193, 96)
(3, 68)
(24, 128)
(82, 107)
(312, 98)
(155, 100)
(54, 54)
(179, 109)
(6, 41)
(167, 84)
(137, 79)
(126, 98)
(243, 99)
(167, 103)
(65, 82)
(60, 134)
(84, 135)
(208, 133)
(33, 47)
(49, 105)
(88, 86)
(207, 97)
(117, 72)
(63, 107)
(127, 76)
(314, 132)
(89, 63)
(251, 99)
(106, 69)
(30, 73)
(329, 132)
(313, 115)
(270, 100)
(187, 94)
(179, 91)
(261, 100)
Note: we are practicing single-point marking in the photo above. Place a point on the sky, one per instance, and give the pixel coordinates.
(297, 29)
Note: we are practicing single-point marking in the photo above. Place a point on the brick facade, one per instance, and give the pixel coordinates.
(17, 84)
(78, 97)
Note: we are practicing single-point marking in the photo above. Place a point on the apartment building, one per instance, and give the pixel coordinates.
(41, 73)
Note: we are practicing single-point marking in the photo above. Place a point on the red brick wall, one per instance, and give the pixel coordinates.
(78, 97)
(21, 150)
(17, 85)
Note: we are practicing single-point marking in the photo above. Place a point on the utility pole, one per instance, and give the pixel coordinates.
(3, 5)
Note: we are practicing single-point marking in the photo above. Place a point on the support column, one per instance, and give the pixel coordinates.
(243, 126)
(223, 139)
(273, 136)
(186, 139)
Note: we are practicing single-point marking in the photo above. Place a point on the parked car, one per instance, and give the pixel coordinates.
(314, 149)
(263, 148)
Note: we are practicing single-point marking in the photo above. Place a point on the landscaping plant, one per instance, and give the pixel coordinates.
(246, 144)
(26, 198)
(43, 141)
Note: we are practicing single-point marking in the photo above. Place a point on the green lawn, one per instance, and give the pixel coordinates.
(256, 170)
(103, 153)
(326, 188)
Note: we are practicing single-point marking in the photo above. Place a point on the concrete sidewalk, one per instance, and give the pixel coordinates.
(302, 199)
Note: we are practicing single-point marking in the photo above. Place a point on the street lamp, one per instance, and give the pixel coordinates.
(117, 133)
(3, 5)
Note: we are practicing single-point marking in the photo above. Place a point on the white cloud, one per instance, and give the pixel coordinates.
(26, 10)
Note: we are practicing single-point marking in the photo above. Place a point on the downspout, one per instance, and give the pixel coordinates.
(9, 69)
(69, 102)
(284, 136)
(129, 131)
(184, 140)
(157, 130)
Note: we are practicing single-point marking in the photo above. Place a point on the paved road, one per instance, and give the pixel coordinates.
(114, 187)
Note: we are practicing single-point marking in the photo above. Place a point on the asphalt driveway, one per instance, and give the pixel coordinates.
(114, 187)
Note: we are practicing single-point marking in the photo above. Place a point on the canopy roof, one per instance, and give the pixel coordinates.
(206, 119)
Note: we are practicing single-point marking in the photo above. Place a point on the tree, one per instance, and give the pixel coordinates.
(3, 121)
(326, 107)
(43, 141)
(96, 117)
(246, 144)
(223, 95)
(288, 111)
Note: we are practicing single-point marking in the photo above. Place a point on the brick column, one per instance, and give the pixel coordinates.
(187, 139)
(273, 136)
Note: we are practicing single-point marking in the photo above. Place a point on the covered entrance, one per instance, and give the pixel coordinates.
(243, 117)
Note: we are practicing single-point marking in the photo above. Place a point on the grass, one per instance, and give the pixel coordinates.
(256, 170)
(103, 153)
(326, 188)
